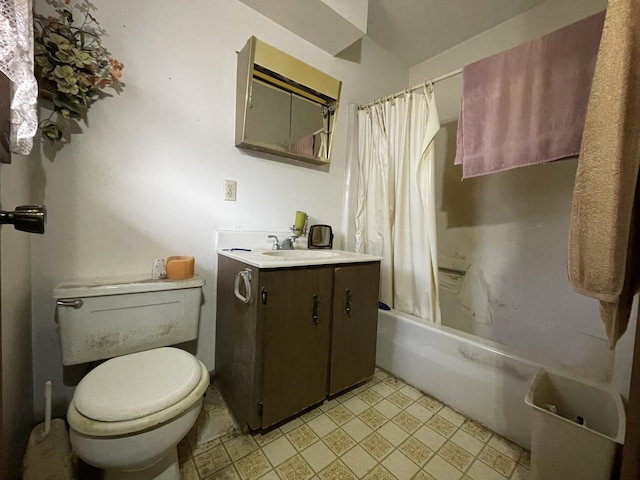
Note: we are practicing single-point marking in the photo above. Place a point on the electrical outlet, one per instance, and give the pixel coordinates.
(230, 190)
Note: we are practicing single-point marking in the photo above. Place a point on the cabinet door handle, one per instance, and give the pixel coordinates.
(314, 311)
(245, 276)
(347, 303)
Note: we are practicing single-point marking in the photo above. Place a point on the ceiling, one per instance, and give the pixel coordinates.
(412, 30)
(415, 30)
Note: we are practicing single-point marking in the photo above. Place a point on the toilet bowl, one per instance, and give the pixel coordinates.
(129, 413)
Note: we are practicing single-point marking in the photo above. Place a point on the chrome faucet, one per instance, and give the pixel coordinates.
(287, 243)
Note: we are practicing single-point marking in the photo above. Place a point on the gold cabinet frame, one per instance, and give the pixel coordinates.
(284, 106)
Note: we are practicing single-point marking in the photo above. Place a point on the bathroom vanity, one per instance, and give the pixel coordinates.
(293, 327)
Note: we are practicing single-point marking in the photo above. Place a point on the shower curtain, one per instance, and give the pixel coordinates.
(395, 214)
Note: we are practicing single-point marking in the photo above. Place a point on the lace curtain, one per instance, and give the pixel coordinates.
(16, 62)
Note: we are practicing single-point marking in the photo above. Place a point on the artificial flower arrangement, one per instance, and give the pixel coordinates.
(72, 66)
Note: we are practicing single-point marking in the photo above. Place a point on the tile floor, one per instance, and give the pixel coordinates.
(383, 429)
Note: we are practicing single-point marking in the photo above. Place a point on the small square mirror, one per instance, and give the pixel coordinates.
(320, 236)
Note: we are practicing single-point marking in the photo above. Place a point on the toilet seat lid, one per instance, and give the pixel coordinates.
(136, 385)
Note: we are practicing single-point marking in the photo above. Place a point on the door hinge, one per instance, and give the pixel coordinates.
(260, 408)
(263, 292)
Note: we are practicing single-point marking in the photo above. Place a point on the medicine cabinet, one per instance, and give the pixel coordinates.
(284, 106)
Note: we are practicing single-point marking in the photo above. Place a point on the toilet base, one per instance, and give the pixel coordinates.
(166, 469)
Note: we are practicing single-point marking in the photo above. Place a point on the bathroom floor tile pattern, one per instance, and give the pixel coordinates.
(382, 430)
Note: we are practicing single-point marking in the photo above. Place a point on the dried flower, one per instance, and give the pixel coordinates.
(72, 66)
(116, 69)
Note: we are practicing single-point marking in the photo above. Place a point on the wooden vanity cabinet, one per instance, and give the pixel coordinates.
(305, 333)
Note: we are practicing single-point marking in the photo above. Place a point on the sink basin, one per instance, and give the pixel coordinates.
(301, 254)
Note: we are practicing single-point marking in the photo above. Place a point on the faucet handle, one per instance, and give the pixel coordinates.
(276, 242)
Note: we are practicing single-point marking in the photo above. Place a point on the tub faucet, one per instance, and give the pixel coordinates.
(287, 243)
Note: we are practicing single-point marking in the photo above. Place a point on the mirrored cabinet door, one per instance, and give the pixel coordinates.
(308, 130)
(268, 116)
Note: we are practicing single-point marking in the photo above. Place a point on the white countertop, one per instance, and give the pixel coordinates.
(265, 258)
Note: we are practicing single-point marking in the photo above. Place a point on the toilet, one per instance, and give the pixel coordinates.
(129, 413)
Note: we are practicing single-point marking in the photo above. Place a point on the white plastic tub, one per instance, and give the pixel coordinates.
(576, 425)
(479, 378)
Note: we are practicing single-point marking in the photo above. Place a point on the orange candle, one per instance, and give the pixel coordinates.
(180, 267)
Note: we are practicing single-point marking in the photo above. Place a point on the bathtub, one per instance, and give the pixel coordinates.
(477, 377)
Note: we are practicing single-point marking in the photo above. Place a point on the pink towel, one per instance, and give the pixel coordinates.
(527, 105)
(304, 146)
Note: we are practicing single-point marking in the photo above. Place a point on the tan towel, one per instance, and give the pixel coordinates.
(602, 257)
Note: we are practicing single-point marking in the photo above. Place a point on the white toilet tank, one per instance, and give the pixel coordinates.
(107, 317)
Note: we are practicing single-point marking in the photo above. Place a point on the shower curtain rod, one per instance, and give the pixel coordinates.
(415, 87)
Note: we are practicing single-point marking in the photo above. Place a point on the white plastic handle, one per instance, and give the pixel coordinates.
(245, 275)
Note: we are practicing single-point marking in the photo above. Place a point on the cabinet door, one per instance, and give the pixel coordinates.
(237, 356)
(355, 323)
(296, 332)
